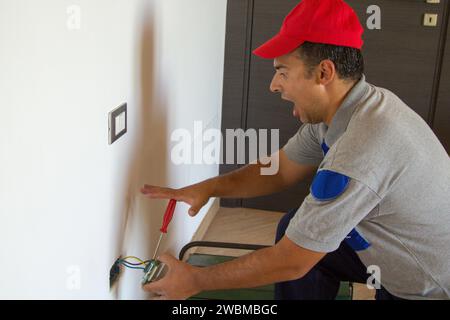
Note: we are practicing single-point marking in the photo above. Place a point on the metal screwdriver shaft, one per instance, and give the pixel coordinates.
(157, 246)
(166, 220)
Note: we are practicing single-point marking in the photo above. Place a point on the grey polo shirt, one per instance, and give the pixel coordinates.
(383, 186)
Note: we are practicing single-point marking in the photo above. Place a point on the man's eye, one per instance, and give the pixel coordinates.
(283, 75)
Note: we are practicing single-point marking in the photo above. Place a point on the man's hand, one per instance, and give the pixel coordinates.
(245, 182)
(284, 261)
(178, 283)
(196, 195)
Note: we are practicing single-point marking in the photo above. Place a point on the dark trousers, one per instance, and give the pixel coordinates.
(323, 280)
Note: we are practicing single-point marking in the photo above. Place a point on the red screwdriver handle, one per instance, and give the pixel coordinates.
(168, 215)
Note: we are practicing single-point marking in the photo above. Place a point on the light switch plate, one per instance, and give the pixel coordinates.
(117, 123)
(430, 19)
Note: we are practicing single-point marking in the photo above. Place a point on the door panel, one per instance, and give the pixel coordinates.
(402, 56)
(441, 124)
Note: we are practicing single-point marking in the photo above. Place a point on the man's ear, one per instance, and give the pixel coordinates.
(326, 71)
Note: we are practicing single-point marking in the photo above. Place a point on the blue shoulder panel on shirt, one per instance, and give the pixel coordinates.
(328, 185)
(325, 148)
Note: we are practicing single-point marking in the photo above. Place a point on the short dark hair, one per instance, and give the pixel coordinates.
(349, 62)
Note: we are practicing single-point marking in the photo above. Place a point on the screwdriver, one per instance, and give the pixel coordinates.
(166, 220)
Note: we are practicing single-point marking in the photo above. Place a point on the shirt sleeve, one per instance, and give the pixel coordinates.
(304, 146)
(321, 224)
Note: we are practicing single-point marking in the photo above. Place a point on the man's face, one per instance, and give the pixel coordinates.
(292, 81)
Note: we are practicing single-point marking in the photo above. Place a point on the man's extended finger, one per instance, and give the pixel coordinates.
(194, 210)
(150, 189)
(162, 297)
(157, 192)
(167, 259)
(155, 287)
(165, 193)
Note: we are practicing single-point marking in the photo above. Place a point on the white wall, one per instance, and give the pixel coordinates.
(68, 200)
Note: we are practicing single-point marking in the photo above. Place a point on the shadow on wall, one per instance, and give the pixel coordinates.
(139, 230)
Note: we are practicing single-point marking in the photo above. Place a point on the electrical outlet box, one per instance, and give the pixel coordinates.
(117, 123)
(114, 273)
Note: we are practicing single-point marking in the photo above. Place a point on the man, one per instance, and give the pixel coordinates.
(380, 193)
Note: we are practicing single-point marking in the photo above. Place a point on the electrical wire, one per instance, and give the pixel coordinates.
(126, 264)
(134, 265)
(135, 258)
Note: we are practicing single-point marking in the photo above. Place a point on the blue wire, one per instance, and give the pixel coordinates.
(126, 264)
(132, 263)
(137, 263)
(131, 267)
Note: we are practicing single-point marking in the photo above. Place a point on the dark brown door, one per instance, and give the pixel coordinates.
(402, 56)
(441, 123)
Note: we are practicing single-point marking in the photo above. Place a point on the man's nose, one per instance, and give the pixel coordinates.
(274, 87)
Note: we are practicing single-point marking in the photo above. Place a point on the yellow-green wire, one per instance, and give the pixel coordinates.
(135, 258)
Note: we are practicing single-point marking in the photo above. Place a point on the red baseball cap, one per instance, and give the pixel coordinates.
(320, 21)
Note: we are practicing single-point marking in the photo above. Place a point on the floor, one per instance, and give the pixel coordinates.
(251, 226)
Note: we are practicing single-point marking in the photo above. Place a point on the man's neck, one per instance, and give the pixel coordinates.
(339, 93)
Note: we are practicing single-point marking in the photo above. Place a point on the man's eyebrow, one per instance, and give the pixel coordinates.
(280, 66)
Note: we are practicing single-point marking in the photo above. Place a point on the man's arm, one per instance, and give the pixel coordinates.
(245, 182)
(281, 262)
(248, 182)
